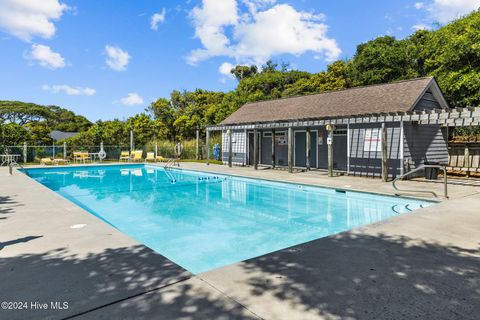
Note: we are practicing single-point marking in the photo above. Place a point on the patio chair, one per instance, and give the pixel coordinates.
(161, 159)
(46, 161)
(60, 161)
(137, 155)
(81, 156)
(150, 157)
(124, 156)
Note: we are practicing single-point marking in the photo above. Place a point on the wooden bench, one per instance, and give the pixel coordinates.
(464, 160)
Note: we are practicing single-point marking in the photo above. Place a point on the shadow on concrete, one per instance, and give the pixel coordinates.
(7, 205)
(370, 277)
(132, 282)
(16, 241)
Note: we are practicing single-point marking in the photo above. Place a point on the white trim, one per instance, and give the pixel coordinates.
(245, 158)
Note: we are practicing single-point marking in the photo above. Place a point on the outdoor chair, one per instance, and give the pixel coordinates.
(137, 155)
(46, 161)
(81, 157)
(150, 157)
(53, 161)
(161, 159)
(124, 156)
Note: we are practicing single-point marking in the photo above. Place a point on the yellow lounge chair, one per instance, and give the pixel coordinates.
(46, 161)
(161, 159)
(124, 155)
(50, 161)
(60, 161)
(81, 156)
(150, 157)
(137, 155)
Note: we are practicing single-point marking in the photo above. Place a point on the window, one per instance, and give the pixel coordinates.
(340, 132)
(267, 134)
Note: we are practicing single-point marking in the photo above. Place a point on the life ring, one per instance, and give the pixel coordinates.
(178, 149)
(102, 154)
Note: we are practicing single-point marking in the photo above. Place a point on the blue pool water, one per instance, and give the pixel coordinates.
(203, 221)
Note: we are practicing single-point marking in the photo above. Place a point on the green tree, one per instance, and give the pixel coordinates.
(38, 133)
(241, 72)
(13, 134)
(382, 60)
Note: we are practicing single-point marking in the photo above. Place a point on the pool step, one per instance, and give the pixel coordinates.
(408, 207)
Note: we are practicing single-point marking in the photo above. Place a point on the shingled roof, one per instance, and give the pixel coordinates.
(399, 96)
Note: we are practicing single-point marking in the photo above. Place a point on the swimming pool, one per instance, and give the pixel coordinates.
(202, 221)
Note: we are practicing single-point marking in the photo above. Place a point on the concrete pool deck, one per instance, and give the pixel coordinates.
(422, 265)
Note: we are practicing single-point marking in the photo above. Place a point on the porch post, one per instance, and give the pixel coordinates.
(255, 149)
(290, 149)
(330, 149)
(466, 161)
(308, 141)
(273, 148)
(207, 145)
(64, 150)
(402, 150)
(349, 152)
(384, 153)
(229, 134)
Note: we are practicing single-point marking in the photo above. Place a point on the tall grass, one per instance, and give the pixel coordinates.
(166, 148)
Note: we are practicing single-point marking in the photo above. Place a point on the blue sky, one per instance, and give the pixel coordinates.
(109, 59)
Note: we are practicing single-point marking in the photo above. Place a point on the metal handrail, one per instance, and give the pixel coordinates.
(11, 165)
(166, 167)
(445, 179)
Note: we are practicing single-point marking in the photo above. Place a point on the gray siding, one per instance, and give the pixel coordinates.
(424, 143)
(428, 101)
(369, 163)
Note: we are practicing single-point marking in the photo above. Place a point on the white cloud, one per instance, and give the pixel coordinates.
(444, 11)
(225, 69)
(25, 19)
(210, 21)
(255, 5)
(421, 26)
(132, 99)
(45, 57)
(71, 91)
(264, 30)
(117, 59)
(157, 19)
(419, 5)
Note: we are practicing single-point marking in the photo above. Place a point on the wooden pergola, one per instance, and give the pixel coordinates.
(451, 117)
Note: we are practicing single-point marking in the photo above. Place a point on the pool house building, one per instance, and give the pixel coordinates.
(379, 130)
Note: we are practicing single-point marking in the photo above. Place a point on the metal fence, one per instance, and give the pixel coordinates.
(33, 154)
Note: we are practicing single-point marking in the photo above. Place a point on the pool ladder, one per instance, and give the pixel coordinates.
(445, 181)
(170, 163)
